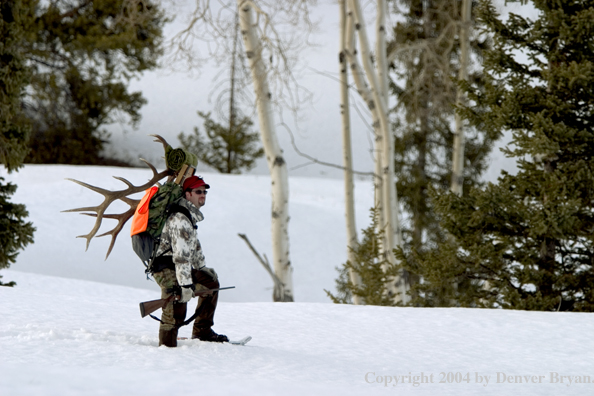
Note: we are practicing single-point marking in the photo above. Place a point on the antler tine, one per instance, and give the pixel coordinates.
(150, 166)
(90, 187)
(123, 181)
(94, 208)
(110, 197)
(162, 140)
(122, 218)
(132, 202)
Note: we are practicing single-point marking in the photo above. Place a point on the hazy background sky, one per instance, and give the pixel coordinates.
(174, 97)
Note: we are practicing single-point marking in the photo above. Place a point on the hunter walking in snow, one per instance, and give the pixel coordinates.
(180, 265)
(165, 237)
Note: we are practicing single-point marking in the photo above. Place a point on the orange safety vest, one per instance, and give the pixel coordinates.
(141, 215)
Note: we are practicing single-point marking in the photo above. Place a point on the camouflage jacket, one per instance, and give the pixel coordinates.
(180, 240)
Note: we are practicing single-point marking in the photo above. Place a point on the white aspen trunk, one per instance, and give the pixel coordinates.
(274, 157)
(380, 51)
(378, 184)
(349, 185)
(382, 73)
(389, 199)
(363, 90)
(458, 151)
(378, 169)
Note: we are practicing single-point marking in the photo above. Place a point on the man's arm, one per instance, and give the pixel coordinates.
(183, 245)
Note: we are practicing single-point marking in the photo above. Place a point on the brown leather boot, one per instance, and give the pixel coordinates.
(207, 334)
(168, 338)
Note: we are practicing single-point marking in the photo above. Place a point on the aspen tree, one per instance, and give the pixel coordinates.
(458, 154)
(349, 185)
(274, 157)
(368, 85)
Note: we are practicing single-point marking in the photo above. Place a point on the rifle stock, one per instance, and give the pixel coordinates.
(148, 307)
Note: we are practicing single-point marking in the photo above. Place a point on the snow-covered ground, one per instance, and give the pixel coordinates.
(62, 333)
(63, 336)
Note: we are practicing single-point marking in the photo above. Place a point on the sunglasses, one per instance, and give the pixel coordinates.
(200, 192)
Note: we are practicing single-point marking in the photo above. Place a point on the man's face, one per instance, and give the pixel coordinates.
(197, 196)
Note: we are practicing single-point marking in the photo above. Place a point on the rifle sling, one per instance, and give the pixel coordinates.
(154, 317)
(196, 314)
(186, 322)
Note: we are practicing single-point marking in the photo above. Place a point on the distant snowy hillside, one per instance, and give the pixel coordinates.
(235, 204)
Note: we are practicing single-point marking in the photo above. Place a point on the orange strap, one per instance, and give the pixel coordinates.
(141, 215)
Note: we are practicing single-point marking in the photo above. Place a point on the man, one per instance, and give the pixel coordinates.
(180, 262)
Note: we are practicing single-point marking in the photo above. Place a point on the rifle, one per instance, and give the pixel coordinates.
(148, 307)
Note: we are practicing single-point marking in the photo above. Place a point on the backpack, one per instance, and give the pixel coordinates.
(155, 207)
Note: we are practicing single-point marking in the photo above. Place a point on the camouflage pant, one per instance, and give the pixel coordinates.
(174, 314)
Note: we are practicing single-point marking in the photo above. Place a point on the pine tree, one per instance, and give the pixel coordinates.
(228, 149)
(82, 55)
(15, 233)
(371, 266)
(426, 70)
(527, 241)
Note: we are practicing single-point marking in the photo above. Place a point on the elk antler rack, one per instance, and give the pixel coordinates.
(122, 195)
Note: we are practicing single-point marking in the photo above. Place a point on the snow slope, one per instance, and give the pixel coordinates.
(72, 326)
(70, 337)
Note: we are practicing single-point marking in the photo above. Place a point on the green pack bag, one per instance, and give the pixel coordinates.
(162, 204)
(160, 207)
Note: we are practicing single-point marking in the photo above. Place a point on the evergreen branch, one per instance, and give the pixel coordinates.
(75, 10)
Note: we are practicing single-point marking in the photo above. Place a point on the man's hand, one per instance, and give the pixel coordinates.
(187, 293)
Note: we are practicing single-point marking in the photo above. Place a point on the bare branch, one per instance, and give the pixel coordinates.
(317, 161)
(283, 27)
(278, 285)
